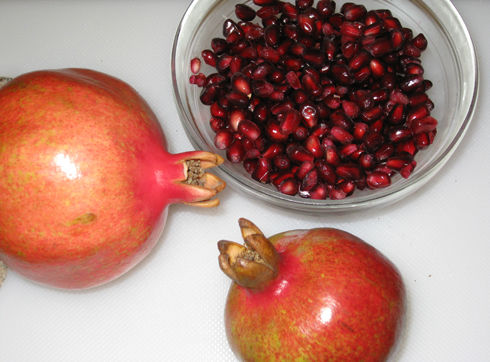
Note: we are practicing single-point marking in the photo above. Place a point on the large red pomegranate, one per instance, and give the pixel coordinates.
(85, 178)
(310, 295)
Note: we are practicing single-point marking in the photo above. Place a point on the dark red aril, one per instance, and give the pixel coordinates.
(244, 12)
(378, 179)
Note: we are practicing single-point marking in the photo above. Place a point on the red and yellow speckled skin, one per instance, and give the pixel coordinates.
(84, 177)
(335, 299)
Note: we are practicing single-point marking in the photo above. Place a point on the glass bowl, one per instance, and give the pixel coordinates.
(449, 62)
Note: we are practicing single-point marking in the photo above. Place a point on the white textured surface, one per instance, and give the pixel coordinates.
(171, 306)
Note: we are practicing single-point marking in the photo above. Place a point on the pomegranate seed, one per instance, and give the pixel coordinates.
(289, 186)
(314, 57)
(384, 151)
(306, 23)
(273, 150)
(366, 161)
(309, 114)
(353, 12)
(326, 7)
(312, 144)
(236, 117)
(237, 98)
(399, 134)
(396, 163)
(411, 83)
(349, 150)
(380, 47)
(420, 42)
(241, 83)
(301, 133)
(425, 124)
(341, 73)
(208, 94)
(336, 193)
(373, 140)
(411, 50)
(282, 107)
(208, 57)
(216, 124)
(326, 172)
(378, 179)
(373, 29)
(219, 45)
(269, 54)
(244, 12)
(249, 53)
(378, 69)
(370, 115)
(217, 110)
(360, 60)
(341, 135)
(268, 11)
(231, 31)
(235, 153)
(351, 172)
(250, 165)
(396, 96)
(319, 192)
(273, 130)
(303, 169)
(249, 129)
(414, 69)
(360, 129)
(331, 156)
(352, 29)
(223, 139)
(223, 63)
(195, 65)
(299, 154)
(262, 170)
(271, 35)
(281, 162)
(417, 113)
(397, 114)
(309, 181)
(214, 78)
(333, 101)
(290, 122)
(407, 146)
(407, 170)
(351, 109)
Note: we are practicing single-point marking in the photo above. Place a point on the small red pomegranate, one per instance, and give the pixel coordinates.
(310, 295)
(85, 178)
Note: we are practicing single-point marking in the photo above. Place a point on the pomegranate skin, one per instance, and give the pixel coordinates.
(335, 298)
(85, 178)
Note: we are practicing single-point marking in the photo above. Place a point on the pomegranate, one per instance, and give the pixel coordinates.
(311, 295)
(337, 84)
(85, 178)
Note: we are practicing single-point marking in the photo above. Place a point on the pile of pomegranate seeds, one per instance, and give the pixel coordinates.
(317, 102)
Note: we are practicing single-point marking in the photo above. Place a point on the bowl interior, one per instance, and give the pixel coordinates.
(449, 62)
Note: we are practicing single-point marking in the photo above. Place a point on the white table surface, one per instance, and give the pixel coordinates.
(162, 311)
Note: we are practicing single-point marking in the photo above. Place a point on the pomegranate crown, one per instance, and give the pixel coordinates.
(251, 265)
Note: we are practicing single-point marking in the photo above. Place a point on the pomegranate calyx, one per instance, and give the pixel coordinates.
(252, 265)
(203, 186)
(3, 272)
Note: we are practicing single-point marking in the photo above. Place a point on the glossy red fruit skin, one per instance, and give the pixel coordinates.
(86, 199)
(335, 298)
